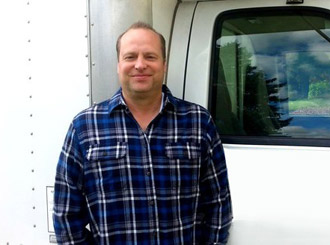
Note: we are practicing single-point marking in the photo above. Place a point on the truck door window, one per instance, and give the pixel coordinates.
(270, 76)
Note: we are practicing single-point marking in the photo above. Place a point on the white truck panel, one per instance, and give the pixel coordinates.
(179, 47)
(279, 195)
(43, 85)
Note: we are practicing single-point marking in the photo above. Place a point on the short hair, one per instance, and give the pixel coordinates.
(143, 25)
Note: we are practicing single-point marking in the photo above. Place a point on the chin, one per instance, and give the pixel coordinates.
(142, 88)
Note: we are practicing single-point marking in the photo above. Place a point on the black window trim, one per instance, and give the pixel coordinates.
(262, 140)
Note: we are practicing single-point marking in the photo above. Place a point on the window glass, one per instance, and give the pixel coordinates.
(271, 74)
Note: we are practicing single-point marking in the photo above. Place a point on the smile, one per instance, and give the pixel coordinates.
(140, 76)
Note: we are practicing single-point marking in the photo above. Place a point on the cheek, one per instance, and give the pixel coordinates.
(160, 70)
(123, 67)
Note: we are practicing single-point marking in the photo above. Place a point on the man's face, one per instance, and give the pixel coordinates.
(141, 66)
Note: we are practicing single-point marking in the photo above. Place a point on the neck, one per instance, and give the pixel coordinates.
(144, 108)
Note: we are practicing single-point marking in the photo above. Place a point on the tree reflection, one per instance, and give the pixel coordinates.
(264, 110)
(263, 105)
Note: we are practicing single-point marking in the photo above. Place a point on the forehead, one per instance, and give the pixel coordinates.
(140, 38)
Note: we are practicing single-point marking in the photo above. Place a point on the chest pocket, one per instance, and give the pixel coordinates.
(183, 151)
(185, 161)
(106, 169)
(101, 153)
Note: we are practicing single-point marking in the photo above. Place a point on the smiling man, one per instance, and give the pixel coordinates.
(141, 69)
(142, 167)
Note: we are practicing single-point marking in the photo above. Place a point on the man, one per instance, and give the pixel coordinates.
(143, 167)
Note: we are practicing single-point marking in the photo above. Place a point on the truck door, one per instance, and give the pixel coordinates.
(263, 71)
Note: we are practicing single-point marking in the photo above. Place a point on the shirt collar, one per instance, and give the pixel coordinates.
(169, 101)
(116, 101)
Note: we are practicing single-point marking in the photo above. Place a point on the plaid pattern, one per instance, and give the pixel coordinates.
(167, 185)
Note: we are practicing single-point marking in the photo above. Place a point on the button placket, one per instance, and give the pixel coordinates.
(150, 194)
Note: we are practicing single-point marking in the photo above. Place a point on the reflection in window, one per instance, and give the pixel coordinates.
(271, 74)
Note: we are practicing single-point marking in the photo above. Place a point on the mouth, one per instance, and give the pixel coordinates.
(140, 76)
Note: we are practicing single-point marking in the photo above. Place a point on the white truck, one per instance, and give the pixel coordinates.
(260, 67)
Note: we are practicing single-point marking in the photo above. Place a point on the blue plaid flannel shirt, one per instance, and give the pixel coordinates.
(116, 184)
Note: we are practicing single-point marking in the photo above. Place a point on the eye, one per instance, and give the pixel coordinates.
(129, 57)
(151, 57)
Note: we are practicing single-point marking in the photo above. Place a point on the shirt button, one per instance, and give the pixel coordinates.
(151, 203)
(148, 173)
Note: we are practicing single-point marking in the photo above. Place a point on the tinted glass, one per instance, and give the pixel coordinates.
(271, 74)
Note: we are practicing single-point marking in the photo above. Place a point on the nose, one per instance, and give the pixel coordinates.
(140, 63)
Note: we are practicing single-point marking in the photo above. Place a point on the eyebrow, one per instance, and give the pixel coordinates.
(144, 53)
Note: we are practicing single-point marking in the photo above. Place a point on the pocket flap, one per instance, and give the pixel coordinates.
(98, 152)
(185, 150)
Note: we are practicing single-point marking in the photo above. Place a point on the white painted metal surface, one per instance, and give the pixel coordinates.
(280, 193)
(43, 85)
(179, 47)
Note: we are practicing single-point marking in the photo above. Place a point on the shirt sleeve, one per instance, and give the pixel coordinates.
(215, 209)
(70, 213)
